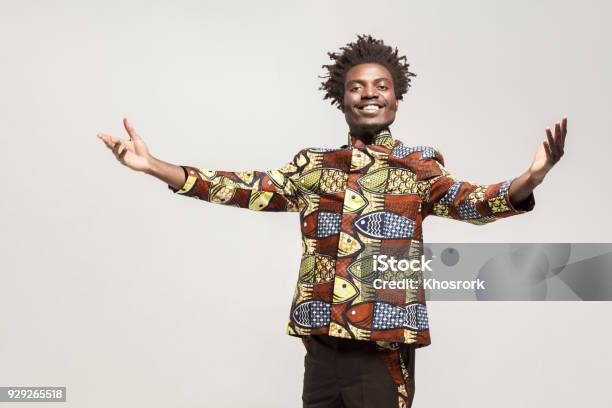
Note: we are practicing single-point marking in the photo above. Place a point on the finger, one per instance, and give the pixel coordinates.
(114, 139)
(563, 124)
(130, 129)
(116, 148)
(551, 140)
(122, 153)
(549, 155)
(103, 137)
(561, 142)
(549, 143)
(106, 139)
(557, 138)
(121, 149)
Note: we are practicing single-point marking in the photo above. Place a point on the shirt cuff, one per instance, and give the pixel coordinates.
(185, 185)
(522, 207)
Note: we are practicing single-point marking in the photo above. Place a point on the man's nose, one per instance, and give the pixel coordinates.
(370, 91)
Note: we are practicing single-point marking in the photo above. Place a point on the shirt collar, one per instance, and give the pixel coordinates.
(382, 138)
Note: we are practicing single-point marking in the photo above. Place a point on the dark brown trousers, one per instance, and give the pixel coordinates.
(342, 373)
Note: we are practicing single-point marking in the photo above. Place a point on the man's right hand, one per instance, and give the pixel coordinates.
(132, 153)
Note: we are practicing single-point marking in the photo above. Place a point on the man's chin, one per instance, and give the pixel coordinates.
(372, 124)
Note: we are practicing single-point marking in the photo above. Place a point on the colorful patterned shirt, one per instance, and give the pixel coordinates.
(358, 202)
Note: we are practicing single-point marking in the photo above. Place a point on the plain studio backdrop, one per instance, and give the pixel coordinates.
(131, 296)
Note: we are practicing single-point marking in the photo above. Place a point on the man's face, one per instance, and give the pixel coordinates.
(369, 98)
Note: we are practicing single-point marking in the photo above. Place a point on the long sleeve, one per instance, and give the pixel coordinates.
(272, 190)
(446, 196)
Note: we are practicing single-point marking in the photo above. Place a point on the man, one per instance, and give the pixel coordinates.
(357, 202)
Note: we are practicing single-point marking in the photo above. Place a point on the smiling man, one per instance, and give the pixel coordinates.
(369, 100)
(357, 202)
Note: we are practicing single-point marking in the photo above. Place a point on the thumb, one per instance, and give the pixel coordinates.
(130, 129)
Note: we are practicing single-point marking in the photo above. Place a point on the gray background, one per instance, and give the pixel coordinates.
(131, 296)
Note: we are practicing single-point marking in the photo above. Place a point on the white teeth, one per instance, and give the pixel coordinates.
(371, 107)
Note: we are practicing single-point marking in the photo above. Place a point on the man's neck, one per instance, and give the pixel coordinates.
(366, 135)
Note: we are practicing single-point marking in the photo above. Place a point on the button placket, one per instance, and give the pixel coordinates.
(355, 155)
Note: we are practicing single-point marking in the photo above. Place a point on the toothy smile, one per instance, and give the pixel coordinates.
(370, 107)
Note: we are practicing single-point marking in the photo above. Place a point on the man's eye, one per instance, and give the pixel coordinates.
(384, 88)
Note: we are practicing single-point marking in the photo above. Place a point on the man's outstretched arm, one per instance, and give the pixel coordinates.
(272, 190)
(133, 153)
(447, 196)
(548, 154)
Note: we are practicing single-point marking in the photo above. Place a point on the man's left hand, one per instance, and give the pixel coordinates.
(549, 152)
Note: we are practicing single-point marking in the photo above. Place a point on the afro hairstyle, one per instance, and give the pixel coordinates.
(365, 50)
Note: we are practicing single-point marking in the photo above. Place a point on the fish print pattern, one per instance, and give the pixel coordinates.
(385, 225)
(312, 314)
(386, 316)
(355, 202)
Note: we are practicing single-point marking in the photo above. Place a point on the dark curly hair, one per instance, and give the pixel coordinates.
(365, 49)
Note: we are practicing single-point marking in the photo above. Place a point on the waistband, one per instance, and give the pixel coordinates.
(338, 343)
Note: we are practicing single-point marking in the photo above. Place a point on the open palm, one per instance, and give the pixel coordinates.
(132, 153)
(550, 151)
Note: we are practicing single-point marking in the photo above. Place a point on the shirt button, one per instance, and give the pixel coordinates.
(269, 181)
(305, 224)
